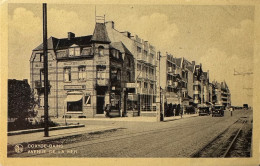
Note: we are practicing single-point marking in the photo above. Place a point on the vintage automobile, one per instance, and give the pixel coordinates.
(204, 110)
(218, 110)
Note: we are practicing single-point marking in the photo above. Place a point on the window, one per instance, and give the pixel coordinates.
(138, 67)
(128, 76)
(129, 62)
(151, 86)
(67, 74)
(119, 74)
(87, 51)
(77, 51)
(139, 50)
(101, 51)
(82, 73)
(41, 58)
(145, 84)
(139, 83)
(74, 105)
(145, 53)
(87, 99)
(41, 75)
(74, 52)
(71, 52)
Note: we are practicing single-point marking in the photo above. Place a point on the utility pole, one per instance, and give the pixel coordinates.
(161, 114)
(46, 84)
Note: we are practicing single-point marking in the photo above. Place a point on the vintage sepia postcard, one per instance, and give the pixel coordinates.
(130, 83)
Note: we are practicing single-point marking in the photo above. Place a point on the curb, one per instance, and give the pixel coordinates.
(42, 129)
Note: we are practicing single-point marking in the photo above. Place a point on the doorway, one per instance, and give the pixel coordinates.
(100, 104)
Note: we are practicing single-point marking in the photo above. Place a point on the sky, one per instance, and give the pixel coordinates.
(219, 37)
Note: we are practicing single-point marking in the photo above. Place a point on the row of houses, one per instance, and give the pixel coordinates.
(185, 84)
(115, 68)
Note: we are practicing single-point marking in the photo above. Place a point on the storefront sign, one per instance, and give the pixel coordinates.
(75, 63)
(74, 87)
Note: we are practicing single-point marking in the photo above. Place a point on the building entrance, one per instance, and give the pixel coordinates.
(100, 104)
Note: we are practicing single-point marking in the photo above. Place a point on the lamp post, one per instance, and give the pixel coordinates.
(161, 112)
(46, 84)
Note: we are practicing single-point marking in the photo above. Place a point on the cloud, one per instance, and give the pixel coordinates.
(221, 68)
(155, 28)
(61, 21)
(240, 40)
(24, 34)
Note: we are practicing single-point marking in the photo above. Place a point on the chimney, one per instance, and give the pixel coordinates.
(71, 35)
(110, 24)
(193, 63)
(127, 34)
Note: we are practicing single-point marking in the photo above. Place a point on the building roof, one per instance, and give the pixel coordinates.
(205, 74)
(54, 43)
(100, 34)
(121, 47)
(178, 61)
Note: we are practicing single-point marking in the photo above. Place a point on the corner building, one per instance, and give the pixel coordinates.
(85, 74)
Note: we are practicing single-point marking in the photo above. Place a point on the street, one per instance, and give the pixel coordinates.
(174, 138)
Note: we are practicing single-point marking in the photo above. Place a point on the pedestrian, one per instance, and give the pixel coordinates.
(231, 111)
(174, 112)
(181, 111)
(107, 110)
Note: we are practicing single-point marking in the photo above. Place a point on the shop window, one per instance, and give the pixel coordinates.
(82, 73)
(88, 99)
(67, 74)
(74, 105)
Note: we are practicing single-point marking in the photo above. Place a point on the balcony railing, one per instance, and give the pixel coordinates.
(144, 90)
(196, 92)
(141, 57)
(196, 82)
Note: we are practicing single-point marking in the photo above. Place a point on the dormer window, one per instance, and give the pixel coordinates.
(74, 51)
(101, 51)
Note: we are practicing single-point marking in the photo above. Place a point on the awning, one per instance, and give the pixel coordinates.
(172, 100)
(72, 98)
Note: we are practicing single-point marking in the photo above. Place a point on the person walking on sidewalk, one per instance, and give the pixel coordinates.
(181, 112)
(231, 111)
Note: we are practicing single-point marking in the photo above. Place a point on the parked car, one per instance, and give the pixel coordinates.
(218, 110)
(204, 110)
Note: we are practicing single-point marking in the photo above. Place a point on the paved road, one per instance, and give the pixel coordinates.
(178, 138)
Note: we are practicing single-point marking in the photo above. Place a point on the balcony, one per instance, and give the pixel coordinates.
(151, 91)
(144, 90)
(196, 83)
(141, 57)
(196, 92)
(102, 82)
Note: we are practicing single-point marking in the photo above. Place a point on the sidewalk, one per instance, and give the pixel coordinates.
(39, 136)
(179, 117)
(131, 119)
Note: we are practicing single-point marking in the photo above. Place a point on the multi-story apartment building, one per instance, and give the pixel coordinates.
(223, 96)
(170, 80)
(85, 74)
(145, 62)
